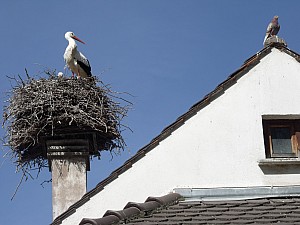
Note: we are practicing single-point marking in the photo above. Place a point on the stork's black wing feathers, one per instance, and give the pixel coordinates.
(86, 67)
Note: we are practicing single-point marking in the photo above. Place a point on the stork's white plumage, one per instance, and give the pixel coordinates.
(74, 59)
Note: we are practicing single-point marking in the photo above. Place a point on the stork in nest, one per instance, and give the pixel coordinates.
(74, 59)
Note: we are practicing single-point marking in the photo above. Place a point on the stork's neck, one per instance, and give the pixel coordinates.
(72, 43)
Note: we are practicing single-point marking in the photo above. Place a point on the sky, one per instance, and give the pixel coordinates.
(168, 54)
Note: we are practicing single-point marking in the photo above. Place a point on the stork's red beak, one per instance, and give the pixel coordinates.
(76, 38)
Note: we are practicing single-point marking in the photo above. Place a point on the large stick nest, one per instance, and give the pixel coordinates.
(38, 109)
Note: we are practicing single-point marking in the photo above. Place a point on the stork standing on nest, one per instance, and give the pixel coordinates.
(74, 59)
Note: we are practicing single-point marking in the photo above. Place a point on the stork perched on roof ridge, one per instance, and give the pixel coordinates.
(74, 59)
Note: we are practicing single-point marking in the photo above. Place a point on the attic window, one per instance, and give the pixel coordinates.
(282, 138)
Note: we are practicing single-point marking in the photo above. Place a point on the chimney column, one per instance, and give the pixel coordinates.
(69, 163)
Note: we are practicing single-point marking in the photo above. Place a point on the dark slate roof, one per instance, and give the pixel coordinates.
(172, 209)
(219, 90)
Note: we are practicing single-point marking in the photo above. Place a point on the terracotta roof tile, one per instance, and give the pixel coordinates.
(173, 209)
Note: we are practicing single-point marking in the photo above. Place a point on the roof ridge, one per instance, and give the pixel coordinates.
(133, 210)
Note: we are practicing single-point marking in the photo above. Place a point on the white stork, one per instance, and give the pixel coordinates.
(74, 59)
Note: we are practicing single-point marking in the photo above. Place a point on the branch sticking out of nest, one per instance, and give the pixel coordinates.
(52, 106)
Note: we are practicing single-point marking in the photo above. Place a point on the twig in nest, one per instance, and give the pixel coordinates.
(46, 181)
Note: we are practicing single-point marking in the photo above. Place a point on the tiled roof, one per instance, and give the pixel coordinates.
(134, 210)
(172, 209)
(248, 64)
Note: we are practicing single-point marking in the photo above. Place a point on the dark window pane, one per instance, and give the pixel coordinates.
(281, 140)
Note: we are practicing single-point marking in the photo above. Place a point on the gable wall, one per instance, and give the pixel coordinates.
(218, 147)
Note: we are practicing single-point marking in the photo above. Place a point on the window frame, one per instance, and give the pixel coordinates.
(293, 124)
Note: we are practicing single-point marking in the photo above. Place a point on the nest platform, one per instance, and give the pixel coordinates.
(39, 110)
